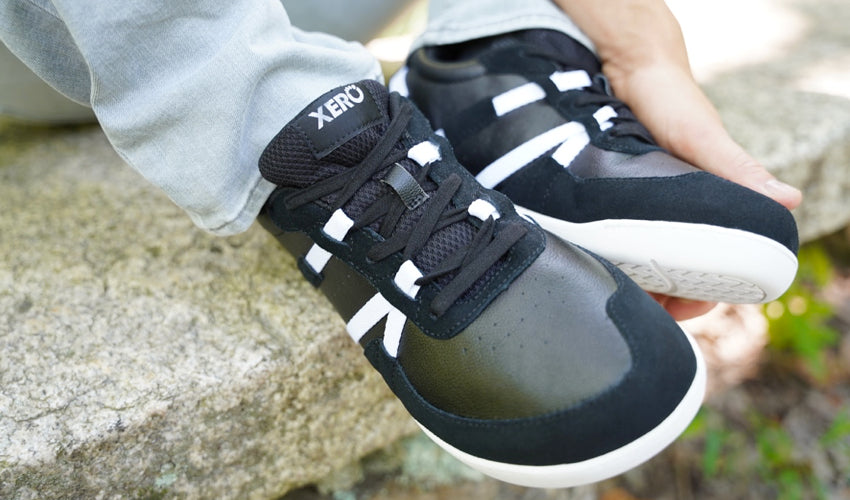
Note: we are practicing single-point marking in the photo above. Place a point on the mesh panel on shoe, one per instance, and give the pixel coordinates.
(292, 164)
(290, 161)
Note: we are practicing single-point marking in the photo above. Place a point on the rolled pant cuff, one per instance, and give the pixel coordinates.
(451, 21)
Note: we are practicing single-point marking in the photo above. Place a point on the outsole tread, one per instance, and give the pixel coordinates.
(693, 284)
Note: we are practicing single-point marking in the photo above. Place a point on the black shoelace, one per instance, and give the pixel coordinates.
(466, 264)
(596, 96)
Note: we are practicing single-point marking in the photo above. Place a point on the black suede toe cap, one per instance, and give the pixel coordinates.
(663, 369)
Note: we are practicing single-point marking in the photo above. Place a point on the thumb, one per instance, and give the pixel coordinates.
(667, 100)
(710, 147)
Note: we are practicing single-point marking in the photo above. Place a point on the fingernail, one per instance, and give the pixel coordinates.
(779, 188)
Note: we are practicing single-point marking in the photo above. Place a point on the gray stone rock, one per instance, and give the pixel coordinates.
(142, 356)
(804, 139)
(779, 73)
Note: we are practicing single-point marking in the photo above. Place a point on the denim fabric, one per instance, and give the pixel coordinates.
(453, 21)
(189, 93)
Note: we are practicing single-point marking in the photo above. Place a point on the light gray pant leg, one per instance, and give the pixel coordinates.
(454, 21)
(37, 36)
(359, 20)
(25, 96)
(188, 93)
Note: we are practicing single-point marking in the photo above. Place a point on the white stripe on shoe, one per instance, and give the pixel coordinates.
(424, 153)
(338, 225)
(567, 152)
(483, 210)
(378, 307)
(525, 153)
(603, 117)
(405, 279)
(368, 316)
(531, 92)
(317, 258)
(518, 97)
(571, 80)
(336, 228)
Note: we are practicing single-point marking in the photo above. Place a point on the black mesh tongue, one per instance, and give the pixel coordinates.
(318, 144)
(336, 130)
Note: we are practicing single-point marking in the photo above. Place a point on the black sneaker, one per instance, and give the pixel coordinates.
(530, 114)
(525, 357)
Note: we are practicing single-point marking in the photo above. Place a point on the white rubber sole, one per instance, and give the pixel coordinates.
(599, 468)
(694, 261)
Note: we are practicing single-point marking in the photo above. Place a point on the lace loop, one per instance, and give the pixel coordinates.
(597, 95)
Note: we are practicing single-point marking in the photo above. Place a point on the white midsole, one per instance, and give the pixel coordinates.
(720, 251)
(610, 464)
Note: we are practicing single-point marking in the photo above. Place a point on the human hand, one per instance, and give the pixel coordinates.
(666, 99)
(643, 55)
(670, 104)
(681, 309)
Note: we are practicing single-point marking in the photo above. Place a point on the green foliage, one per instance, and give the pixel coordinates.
(775, 446)
(760, 447)
(712, 456)
(721, 445)
(798, 321)
(837, 439)
(790, 484)
(839, 430)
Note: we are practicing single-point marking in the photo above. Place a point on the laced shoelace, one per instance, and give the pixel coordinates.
(598, 95)
(467, 264)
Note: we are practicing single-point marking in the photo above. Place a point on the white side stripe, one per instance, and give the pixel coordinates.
(603, 116)
(405, 280)
(567, 152)
(368, 316)
(317, 257)
(378, 307)
(524, 154)
(336, 228)
(516, 98)
(393, 331)
(570, 80)
(424, 153)
(531, 92)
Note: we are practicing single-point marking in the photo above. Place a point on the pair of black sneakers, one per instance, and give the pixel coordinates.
(529, 355)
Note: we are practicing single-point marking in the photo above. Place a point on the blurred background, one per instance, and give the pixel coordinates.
(142, 358)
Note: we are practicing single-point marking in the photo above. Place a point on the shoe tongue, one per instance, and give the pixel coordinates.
(561, 47)
(334, 132)
(348, 120)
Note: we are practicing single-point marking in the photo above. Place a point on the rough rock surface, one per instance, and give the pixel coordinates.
(143, 356)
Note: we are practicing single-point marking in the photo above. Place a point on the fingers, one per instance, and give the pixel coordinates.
(667, 100)
(681, 309)
(699, 137)
(643, 54)
(733, 163)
